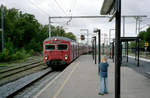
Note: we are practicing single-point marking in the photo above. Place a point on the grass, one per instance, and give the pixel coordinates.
(142, 55)
(13, 62)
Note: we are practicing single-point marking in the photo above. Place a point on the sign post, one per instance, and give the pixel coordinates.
(2, 25)
(146, 45)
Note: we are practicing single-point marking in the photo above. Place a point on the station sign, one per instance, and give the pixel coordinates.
(82, 37)
(146, 44)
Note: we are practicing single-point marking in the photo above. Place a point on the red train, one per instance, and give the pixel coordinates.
(62, 51)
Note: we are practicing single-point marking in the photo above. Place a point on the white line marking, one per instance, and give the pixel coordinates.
(41, 91)
(141, 58)
(64, 83)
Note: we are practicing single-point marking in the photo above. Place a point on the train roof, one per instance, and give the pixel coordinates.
(60, 38)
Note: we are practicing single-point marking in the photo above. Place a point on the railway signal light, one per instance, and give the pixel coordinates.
(82, 37)
(146, 44)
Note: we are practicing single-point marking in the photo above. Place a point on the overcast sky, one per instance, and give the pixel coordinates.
(42, 9)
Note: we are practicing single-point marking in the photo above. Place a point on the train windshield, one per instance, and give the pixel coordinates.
(62, 47)
(50, 47)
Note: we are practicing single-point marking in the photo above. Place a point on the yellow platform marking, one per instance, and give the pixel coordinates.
(66, 80)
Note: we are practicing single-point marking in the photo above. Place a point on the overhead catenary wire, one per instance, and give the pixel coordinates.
(74, 6)
(53, 8)
(48, 4)
(24, 9)
(60, 7)
(39, 8)
(70, 12)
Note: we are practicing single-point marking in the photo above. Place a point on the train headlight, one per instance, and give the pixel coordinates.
(46, 57)
(66, 57)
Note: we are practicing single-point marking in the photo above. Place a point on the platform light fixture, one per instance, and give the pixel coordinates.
(87, 37)
(99, 43)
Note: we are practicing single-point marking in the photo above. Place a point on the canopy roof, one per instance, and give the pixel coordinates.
(107, 7)
(125, 39)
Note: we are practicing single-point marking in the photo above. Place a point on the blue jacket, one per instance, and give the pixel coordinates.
(103, 69)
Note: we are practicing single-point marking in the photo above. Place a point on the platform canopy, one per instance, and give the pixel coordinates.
(107, 7)
(125, 39)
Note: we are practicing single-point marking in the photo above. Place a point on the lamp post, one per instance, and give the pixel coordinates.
(93, 47)
(99, 43)
(110, 35)
(2, 25)
(111, 49)
(87, 36)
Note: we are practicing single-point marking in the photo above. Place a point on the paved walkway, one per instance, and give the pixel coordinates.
(81, 80)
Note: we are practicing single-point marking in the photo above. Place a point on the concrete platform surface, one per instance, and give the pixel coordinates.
(80, 80)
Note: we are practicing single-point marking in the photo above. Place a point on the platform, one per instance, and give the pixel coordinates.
(80, 80)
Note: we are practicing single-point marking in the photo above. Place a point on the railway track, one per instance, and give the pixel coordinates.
(11, 95)
(16, 72)
(15, 79)
(17, 65)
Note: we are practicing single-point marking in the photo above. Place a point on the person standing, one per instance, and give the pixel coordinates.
(103, 73)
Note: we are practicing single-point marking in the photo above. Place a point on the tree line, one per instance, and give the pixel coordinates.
(24, 35)
(144, 38)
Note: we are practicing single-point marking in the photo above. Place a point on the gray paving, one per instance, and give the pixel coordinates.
(81, 80)
(144, 65)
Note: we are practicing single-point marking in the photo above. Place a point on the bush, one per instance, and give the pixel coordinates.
(33, 45)
(31, 52)
(9, 45)
(5, 55)
(19, 55)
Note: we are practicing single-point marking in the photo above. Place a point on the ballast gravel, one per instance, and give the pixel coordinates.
(11, 87)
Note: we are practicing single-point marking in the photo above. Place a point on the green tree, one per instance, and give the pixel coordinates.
(23, 33)
(145, 37)
(70, 35)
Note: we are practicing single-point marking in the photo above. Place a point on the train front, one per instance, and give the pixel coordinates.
(56, 52)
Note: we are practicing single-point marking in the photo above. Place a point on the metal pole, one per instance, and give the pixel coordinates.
(109, 42)
(87, 40)
(139, 26)
(113, 50)
(136, 19)
(99, 16)
(109, 35)
(93, 48)
(123, 26)
(99, 46)
(121, 46)
(95, 51)
(117, 48)
(103, 48)
(125, 48)
(2, 25)
(110, 50)
(127, 51)
(50, 27)
(104, 38)
(138, 52)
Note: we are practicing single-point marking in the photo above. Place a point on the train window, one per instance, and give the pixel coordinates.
(49, 47)
(62, 47)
